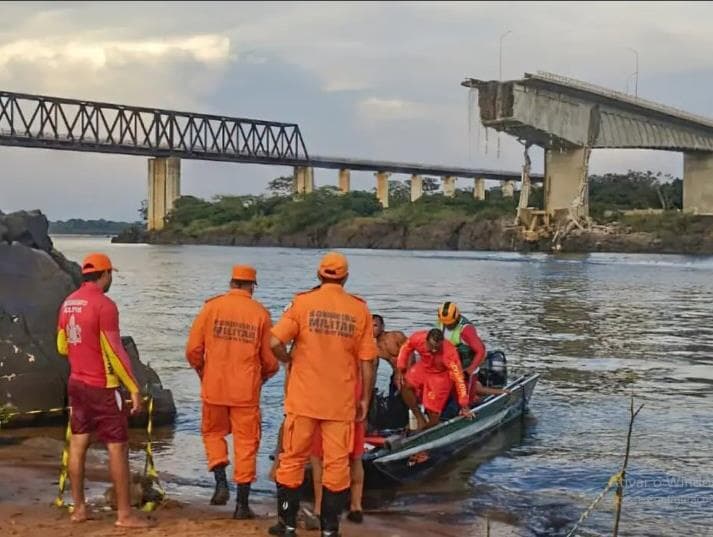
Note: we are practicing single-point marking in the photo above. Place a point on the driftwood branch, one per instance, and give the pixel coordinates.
(622, 478)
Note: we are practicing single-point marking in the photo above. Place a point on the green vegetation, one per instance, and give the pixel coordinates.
(633, 190)
(669, 222)
(76, 226)
(276, 213)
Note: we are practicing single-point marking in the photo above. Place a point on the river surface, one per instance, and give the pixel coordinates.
(597, 327)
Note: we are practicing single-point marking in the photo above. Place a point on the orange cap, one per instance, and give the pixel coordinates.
(96, 263)
(333, 266)
(244, 273)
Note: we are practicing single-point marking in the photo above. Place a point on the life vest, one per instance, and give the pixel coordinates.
(454, 336)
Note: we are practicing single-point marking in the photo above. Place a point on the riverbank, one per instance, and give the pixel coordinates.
(674, 233)
(25, 505)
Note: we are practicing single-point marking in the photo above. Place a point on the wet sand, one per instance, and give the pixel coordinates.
(28, 485)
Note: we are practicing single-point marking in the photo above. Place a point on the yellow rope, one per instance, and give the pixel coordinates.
(613, 481)
(149, 467)
(64, 472)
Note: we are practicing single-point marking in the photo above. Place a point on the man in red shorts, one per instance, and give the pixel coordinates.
(432, 377)
(88, 334)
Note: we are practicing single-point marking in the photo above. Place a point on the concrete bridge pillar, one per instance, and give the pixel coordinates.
(164, 189)
(416, 187)
(566, 184)
(382, 188)
(344, 180)
(449, 186)
(698, 183)
(303, 180)
(479, 190)
(507, 188)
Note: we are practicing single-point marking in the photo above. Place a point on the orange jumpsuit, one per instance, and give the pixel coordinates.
(332, 331)
(435, 374)
(229, 346)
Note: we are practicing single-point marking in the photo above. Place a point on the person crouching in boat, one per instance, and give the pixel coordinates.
(432, 377)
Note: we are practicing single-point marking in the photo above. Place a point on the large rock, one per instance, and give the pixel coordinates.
(34, 280)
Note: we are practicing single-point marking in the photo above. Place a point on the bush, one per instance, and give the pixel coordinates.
(323, 208)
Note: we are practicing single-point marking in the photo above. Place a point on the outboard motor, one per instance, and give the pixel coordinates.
(493, 371)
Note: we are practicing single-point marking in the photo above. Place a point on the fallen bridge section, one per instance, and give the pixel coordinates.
(569, 118)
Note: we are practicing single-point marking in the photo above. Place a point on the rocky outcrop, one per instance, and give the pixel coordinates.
(452, 234)
(34, 280)
(458, 233)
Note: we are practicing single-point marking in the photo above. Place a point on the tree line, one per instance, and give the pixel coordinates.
(278, 211)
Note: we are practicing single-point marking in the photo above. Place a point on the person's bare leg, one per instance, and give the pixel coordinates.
(78, 446)
(119, 468)
(317, 484)
(434, 418)
(357, 485)
(273, 468)
(409, 397)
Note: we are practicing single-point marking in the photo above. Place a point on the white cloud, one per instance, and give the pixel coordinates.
(391, 109)
(97, 54)
(374, 80)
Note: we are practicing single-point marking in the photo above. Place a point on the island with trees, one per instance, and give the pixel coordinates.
(631, 212)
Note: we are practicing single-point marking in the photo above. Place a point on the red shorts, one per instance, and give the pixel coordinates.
(357, 448)
(432, 389)
(98, 410)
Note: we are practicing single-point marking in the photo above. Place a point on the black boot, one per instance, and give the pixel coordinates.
(288, 505)
(333, 503)
(242, 509)
(222, 492)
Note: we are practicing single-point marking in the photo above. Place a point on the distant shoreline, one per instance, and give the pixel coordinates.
(77, 226)
(460, 234)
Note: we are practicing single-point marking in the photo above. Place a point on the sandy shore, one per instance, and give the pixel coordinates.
(28, 485)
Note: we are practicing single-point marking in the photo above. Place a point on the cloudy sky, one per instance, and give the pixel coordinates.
(373, 80)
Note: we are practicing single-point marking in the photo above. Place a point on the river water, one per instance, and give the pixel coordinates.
(597, 327)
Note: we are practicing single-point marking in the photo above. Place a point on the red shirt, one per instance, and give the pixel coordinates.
(445, 361)
(469, 336)
(88, 333)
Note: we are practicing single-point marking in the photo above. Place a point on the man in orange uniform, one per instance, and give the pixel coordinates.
(388, 345)
(333, 343)
(88, 334)
(432, 377)
(229, 347)
(356, 469)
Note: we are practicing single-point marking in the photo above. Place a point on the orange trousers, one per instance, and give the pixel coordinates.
(244, 423)
(297, 439)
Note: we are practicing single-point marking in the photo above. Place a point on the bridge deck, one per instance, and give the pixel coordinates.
(75, 125)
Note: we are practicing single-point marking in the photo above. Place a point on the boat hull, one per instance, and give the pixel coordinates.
(413, 458)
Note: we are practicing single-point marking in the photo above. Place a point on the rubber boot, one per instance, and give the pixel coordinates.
(288, 505)
(333, 503)
(242, 509)
(222, 492)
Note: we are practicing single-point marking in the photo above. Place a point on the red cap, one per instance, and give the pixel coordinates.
(244, 273)
(96, 263)
(334, 266)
